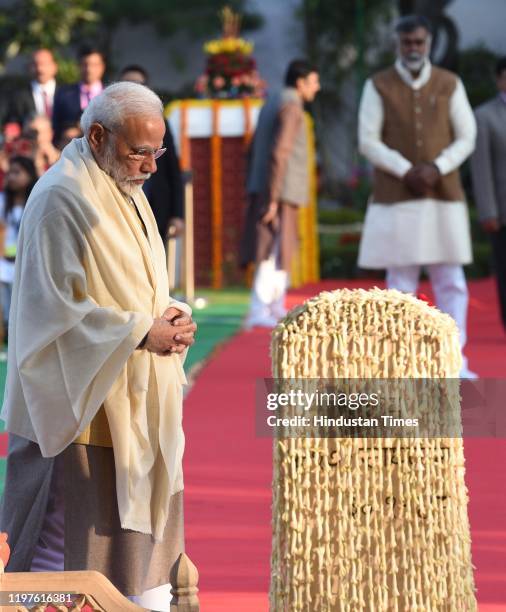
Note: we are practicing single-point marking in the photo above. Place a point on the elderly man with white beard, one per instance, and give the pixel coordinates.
(416, 127)
(93, 402)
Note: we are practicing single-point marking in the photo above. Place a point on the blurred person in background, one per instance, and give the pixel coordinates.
(37, 97)
(164, 189)
(488, 168)
(134, 73)
(416, 127)
(10, 132)
(69, 131)
(71, 100)
(45, 154)
(14, 143)
(18, 183)
(277, 186)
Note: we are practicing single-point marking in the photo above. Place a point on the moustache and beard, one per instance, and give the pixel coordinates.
(415, 60)
(114, 169)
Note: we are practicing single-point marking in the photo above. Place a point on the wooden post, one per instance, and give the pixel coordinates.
(189, 271)
(171, 258)
(184, 578)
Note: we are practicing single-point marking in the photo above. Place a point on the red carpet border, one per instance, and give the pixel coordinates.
(228, 469)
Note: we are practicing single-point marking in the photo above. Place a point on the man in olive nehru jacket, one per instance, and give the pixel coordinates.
(416, 127)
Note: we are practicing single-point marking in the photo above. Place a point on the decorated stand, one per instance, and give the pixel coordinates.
(212, 135)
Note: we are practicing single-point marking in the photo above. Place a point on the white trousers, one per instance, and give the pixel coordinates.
(157, 599)
(448, 283)
(268, 294)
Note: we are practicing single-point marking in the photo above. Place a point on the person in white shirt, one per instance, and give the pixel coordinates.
(37, 96)
(44, 69)
(416, 127)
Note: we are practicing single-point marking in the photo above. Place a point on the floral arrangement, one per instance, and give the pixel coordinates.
(229, 45)
(231, 71)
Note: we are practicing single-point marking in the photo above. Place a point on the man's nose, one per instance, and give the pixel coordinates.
(149, 164)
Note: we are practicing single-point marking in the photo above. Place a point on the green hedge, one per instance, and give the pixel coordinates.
(340, 260)
(340, 216)
(339, 252)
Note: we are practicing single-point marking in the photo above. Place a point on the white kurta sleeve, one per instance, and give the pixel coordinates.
(370, 125)
(464, 129)
(69, 351)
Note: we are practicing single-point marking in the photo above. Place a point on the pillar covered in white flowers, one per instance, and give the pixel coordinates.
(376, 523)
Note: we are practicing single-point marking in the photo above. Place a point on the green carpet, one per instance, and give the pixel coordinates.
(219, 320)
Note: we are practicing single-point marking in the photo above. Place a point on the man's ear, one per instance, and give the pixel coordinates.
(96, 137)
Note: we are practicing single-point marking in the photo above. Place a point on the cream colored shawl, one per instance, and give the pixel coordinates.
(88, 284)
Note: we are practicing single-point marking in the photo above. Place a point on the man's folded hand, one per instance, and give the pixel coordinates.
(168, 337)
(420, 179)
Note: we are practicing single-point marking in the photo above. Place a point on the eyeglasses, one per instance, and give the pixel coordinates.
(142, 153)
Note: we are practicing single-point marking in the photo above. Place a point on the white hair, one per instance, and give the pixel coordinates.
(118, 101)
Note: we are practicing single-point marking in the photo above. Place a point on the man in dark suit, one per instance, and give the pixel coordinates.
(71, 100)
(164, 189)
(489, 178)
(37, 97)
